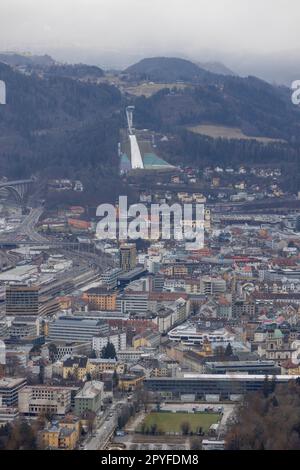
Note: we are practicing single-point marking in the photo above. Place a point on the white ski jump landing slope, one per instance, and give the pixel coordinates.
(136, 157)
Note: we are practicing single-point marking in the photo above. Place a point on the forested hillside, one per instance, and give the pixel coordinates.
(57, 125)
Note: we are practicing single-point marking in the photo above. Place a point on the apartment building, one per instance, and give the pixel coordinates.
(118, 339)
(101, 299)
(89, 398)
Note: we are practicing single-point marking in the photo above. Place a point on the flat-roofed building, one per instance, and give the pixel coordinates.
(44, 399)
(76, 329)
(118, 339)
(127, 257)
(89, 398)
(71, 349)
(212, 285)
(133, 302)
(22, 300)
(8, 414)
(110, 278)
(130, 355)
(20, 274)
(201, 386)
(9, 390)
(24, 327)
(188, 334)
(243, 367)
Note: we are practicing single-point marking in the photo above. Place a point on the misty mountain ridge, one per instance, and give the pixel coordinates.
(216, 67)
(61, 125)
(18, 59)
(167, 70)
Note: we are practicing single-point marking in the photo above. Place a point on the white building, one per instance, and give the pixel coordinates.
(189, 335)
(2, 353)
(211, 285)
(130, 355)
(117, 339)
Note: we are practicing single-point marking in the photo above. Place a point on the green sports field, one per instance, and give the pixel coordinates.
(171, 422)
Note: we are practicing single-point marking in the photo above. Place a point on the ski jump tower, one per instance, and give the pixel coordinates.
(136, 157)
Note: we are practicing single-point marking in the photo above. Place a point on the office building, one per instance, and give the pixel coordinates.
(212, 286)
(109, 278)
(44, 399)
(127, 257)
(74, 329)
(9, 390)
(133, 302)
(190, 335)
(204, 386)
(243, 367)
(22, 300)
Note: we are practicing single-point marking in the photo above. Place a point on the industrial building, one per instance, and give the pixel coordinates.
(219, 386)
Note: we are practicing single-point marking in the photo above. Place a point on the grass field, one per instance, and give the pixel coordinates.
(228, 133)
(148, 89)
(171, 422)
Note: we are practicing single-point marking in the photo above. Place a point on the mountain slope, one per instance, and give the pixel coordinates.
(76, 71)
(53, 122)
(216, 67)
(253, 105)
(166, 70)
(16, 59)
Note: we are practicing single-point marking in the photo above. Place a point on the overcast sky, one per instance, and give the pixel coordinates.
(252, 25)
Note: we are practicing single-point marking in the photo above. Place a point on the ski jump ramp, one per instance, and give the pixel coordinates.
(136, 157)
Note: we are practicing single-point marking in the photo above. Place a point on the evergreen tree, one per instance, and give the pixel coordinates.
(228, 351)
(109, 351)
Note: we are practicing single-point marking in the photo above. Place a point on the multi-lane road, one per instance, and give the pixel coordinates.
(26, 229)
(105, 427)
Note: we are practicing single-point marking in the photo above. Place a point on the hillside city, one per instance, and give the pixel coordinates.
(139, 345)
(110, 342)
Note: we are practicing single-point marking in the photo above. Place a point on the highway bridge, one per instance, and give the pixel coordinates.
(18, 188)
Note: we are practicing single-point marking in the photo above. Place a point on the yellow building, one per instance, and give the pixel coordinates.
(65, 302)
(75, 367)
(207, 350)
(100, 299)
(160, 372)
(96, 367)
(207, 219)
(288, 368)
(128, 383)
(64, 435)
(140, 342)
